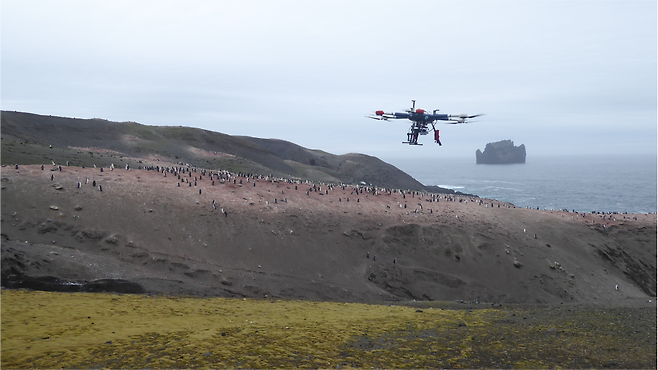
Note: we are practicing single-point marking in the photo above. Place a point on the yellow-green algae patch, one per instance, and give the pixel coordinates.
(80, 330)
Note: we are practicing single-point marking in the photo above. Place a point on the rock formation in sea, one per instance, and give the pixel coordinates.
(501, 152)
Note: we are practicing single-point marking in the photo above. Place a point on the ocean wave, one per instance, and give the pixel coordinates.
(453, 187)
(499, 188)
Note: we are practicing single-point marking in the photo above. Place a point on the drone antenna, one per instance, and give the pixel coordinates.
(413, 105)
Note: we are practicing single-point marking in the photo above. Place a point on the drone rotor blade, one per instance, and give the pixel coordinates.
(462, 118)
(464, 115)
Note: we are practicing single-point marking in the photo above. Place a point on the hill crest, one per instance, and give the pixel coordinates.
(201, 148)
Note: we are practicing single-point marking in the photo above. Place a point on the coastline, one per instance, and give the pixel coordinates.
(586, 183)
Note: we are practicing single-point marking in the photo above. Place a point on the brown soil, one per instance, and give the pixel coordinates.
(270, 237)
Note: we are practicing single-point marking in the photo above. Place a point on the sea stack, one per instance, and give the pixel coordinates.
(501, 152)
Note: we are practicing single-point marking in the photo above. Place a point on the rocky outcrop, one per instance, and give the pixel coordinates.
(501, 152)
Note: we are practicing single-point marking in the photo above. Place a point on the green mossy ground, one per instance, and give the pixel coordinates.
(80, 330)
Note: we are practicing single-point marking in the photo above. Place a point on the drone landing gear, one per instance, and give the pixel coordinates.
(412, 139)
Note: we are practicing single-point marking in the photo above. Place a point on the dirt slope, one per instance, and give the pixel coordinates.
(270, 237)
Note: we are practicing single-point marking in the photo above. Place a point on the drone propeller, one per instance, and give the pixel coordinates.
(461, 118)
(464, 115)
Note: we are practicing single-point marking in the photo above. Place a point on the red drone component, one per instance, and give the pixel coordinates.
(379, 113)
(420, 111)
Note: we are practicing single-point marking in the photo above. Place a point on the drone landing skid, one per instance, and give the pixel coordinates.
(410, 143)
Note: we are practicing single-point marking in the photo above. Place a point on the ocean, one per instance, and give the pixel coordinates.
(623, 183)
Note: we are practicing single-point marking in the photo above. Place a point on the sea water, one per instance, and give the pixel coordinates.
(623, 183)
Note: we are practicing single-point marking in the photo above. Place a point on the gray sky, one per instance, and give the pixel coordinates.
(558, 76)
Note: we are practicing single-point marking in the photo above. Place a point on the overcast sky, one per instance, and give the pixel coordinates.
(558, 76)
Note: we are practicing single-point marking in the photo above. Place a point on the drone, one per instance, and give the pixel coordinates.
(420, 119)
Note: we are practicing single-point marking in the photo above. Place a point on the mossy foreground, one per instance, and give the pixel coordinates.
(78, 330)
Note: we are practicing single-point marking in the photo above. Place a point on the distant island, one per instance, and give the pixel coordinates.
(501, 152)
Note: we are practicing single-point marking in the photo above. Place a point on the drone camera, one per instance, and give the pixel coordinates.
(379, 113)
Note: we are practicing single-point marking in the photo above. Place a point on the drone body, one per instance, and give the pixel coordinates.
(420, 121)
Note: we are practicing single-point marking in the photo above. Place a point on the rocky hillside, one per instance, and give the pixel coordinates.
(45, 138)
(185, 231)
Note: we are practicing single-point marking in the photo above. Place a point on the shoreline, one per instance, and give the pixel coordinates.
(605, 180)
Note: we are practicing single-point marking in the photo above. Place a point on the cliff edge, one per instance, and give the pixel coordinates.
(501, 152)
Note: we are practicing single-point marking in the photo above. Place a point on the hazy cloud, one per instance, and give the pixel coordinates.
(556, 75)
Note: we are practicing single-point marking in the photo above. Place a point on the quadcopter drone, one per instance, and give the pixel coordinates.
(420, 119)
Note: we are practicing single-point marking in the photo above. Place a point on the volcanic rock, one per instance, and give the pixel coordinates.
(501, 152)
